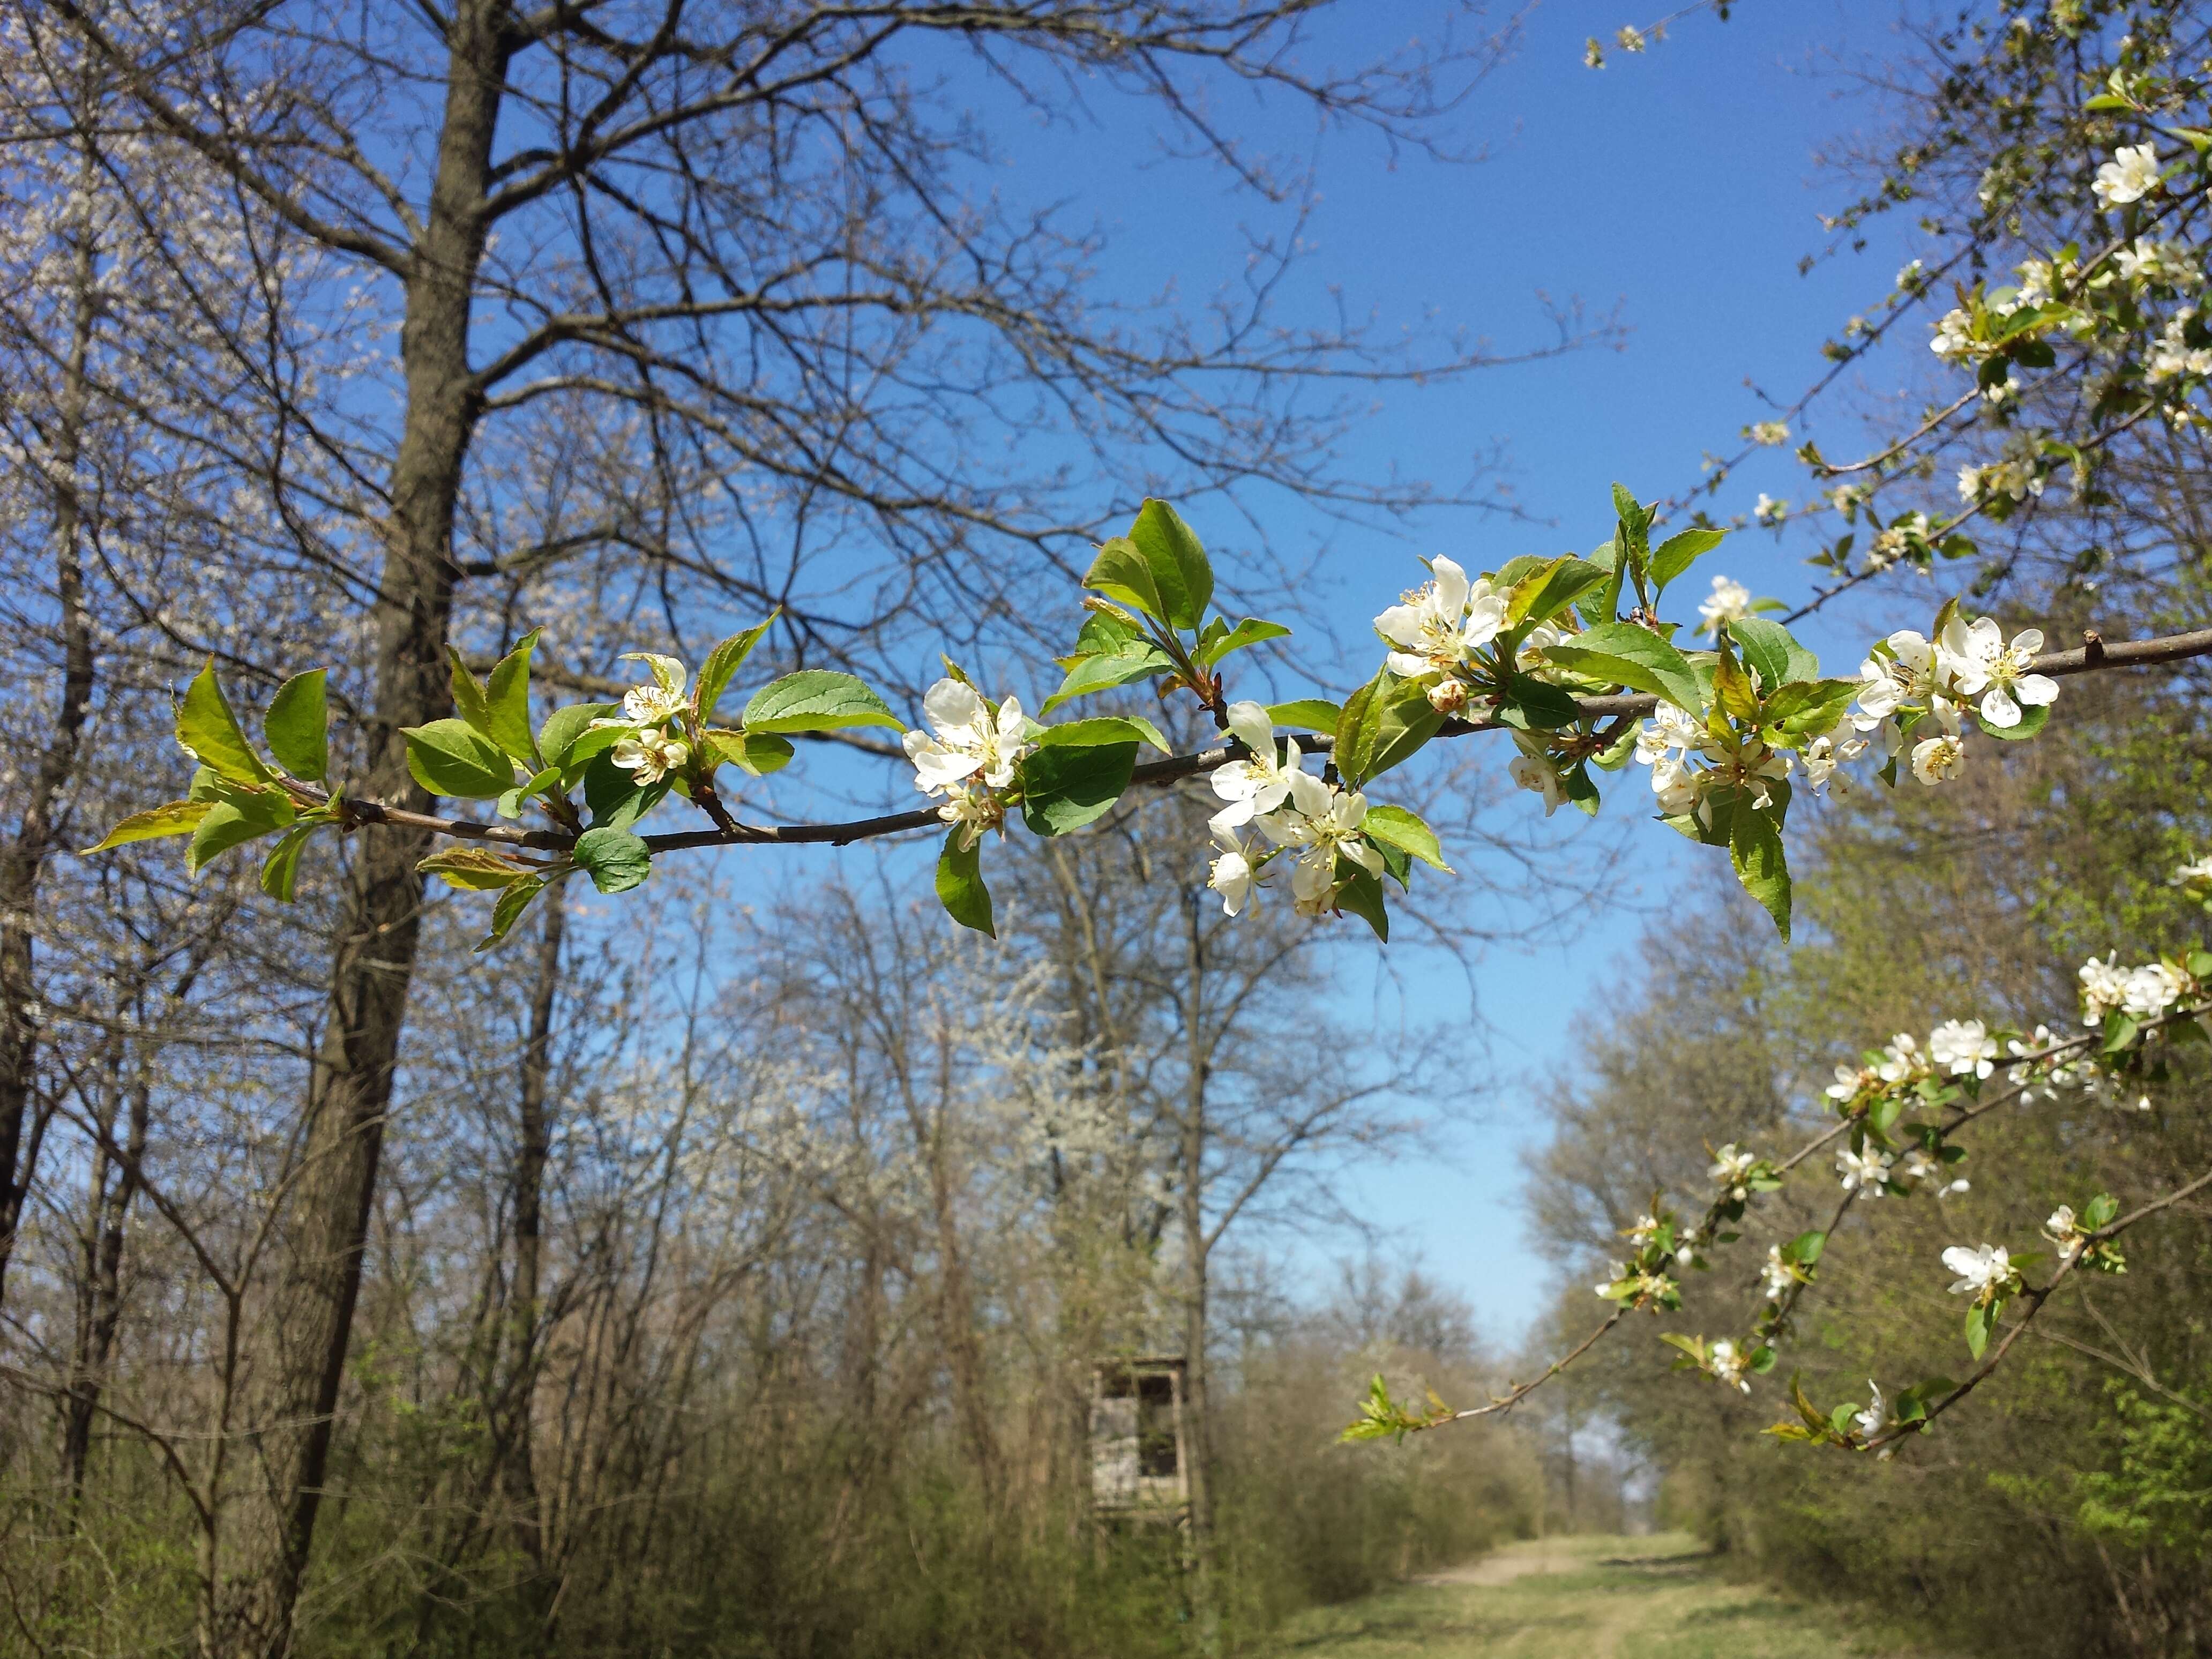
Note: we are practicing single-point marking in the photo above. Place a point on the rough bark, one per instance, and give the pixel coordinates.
(533, 1147)
(262, 1566)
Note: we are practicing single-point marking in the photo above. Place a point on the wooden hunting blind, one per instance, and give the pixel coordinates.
(1138, 1462)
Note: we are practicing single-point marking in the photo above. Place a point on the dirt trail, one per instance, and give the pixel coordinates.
(1512, 1561)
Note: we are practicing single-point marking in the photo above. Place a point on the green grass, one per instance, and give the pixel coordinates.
(1638, 1598)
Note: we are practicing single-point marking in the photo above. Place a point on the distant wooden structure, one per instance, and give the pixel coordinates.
(1139, 1463)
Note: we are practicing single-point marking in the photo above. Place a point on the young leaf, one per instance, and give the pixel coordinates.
(178, 818)
(1121, 573)
(280, 871)
(1768, 648)
(1102, 730)
(506, 700)
(756, 752)
(513, 902)
(1979, 1317)
(1138, 660)
(1306, 713)
(227, 825)
(723, 662)
(1678, 552)
(616, 797)
(452, 757)
(817, 700)
(298, 726)
(1250, 631)
(208, 731)
(468, 696)
(474, 869)
(2031, 721)
(1755, 850)
(960, 886)
(1064, 787)
(1536, 705)
(615, 860)
(1180, 571)
(1385, 722)
(561, 740)
(1550, 589)
(1361, 894)
(1404, 829)
(1805, 1248)
(1625, 654)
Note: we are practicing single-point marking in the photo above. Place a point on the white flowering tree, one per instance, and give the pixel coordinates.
(1569, 660)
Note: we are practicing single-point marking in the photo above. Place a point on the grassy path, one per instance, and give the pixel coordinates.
(1585, 1598)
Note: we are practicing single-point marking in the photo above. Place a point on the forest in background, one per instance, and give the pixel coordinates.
(728, 1270)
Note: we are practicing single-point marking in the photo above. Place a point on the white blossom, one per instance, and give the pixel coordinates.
(1231, 874)
(967, 739)
(1777, 1274)
(1901, 1059)
(2152, 989)
(1955, 337)
(1440, 625)
(1981, 1270)
(2104, 987)
(1729, 1364)
(650, 756)
(1981, 662)
(1770, 433)
(1540, 777)
(1865, 1172)
(1730, 1168)
(1939, 759)
(1320, 823)
(2064, 1230)
(1963, 1047)
(1261, 783)
(1869, 1421)
(2130, 175)
(971, 811)
(1729, 601)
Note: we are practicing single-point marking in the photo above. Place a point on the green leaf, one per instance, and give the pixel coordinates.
(1536, 705)
(298, 726)
(506, 702)
(1180, 571)
(1250, 631)
(565, 727)
(1120, 572)
(960, 885)
(1064, 787)
(2031, 721)
(280, 871)
(1140, 661)
(1768, 648)
(1544, 592)
(1805, 1248)
(468, 696)
(1808, 707)
(1405, 829)
(817, 700)
(757, 752)
(2099, 1211)
(1103, 730)
(178, 818)
(723, 662)
(616, 797)
(1361, 895)
(513, 902)
(1755, 850)
(208, 731)
(1678, 552)
(1306, 713)
(1980, 1318)
(615, 860)
(474, 869)
(1382, 724)
(1625, 654)
(452, 757)
(2120, 1032)
(1733, 692)
(230, 824)
(1604, 606)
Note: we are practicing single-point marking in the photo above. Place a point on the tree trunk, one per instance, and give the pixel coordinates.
(1205, 1591)
(102, 1302)
(260, 1569)
(24, 859)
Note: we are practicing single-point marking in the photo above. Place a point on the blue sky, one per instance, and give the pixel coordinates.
(1683, 186)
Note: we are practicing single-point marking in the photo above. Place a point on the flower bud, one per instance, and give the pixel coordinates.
(1447, 696)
